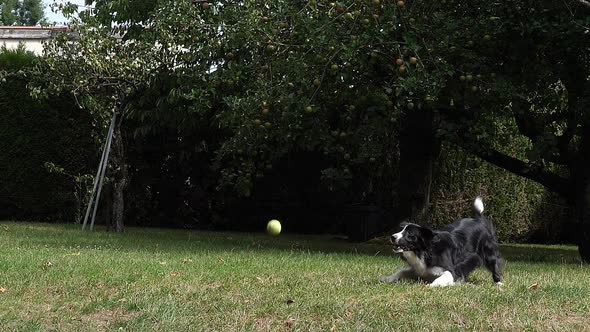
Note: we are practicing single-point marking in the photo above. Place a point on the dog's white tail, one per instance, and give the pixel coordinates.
(478, 206)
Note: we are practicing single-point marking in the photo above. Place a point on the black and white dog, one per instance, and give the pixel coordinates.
(447, 256)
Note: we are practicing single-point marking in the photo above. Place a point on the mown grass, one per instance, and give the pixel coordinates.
(175, 280)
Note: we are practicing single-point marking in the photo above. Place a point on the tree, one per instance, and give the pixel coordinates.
(106, 75)
(206, 73)
(465, 70)
(522, 65)
(373, 85)
(25, 12)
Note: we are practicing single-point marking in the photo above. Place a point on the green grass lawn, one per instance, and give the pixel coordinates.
(175, 280)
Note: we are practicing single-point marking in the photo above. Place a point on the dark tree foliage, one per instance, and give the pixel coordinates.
(21, 12)
(539, 52)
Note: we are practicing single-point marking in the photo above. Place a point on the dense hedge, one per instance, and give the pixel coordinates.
(33, 133)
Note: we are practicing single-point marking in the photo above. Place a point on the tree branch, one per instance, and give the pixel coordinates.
(583, 3)
(551, 181)
(531, 126)
(466, 139)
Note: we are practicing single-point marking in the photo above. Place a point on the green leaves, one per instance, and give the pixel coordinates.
(27, 12)
(220, 63)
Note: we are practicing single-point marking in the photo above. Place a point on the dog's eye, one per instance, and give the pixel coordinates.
(411, 237)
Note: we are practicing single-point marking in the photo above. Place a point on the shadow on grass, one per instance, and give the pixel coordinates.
(178, 240)
(540, 253)
(192, 241)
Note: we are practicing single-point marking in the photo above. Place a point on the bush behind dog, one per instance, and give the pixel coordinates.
(521, 209)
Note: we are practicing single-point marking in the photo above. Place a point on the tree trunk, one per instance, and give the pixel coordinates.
(120, 179)
(581, 177)
(582, 211)
(419, 150)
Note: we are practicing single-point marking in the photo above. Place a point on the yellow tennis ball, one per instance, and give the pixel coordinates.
(273, 227)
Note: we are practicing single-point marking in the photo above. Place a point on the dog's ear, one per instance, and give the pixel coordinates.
(427, 233)
(404, 223)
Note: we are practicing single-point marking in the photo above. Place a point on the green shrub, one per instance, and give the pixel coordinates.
(517, 206)
(15, 59)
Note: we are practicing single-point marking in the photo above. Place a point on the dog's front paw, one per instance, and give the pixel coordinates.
(440, 284)
(446, 279)
(386, 278)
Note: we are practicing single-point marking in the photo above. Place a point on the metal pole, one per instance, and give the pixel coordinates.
(94, 186)
(96, 179)
(104, 168)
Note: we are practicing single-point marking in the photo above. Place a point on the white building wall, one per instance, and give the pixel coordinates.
(32, 37)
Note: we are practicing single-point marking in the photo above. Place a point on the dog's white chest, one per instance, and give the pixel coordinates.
(419, 266)
(417, 263)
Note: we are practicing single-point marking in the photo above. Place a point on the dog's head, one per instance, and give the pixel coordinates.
(411, 237)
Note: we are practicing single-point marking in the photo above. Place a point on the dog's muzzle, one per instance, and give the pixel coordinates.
(397, 248)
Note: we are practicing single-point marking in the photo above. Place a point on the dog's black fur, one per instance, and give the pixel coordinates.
(459, 248)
